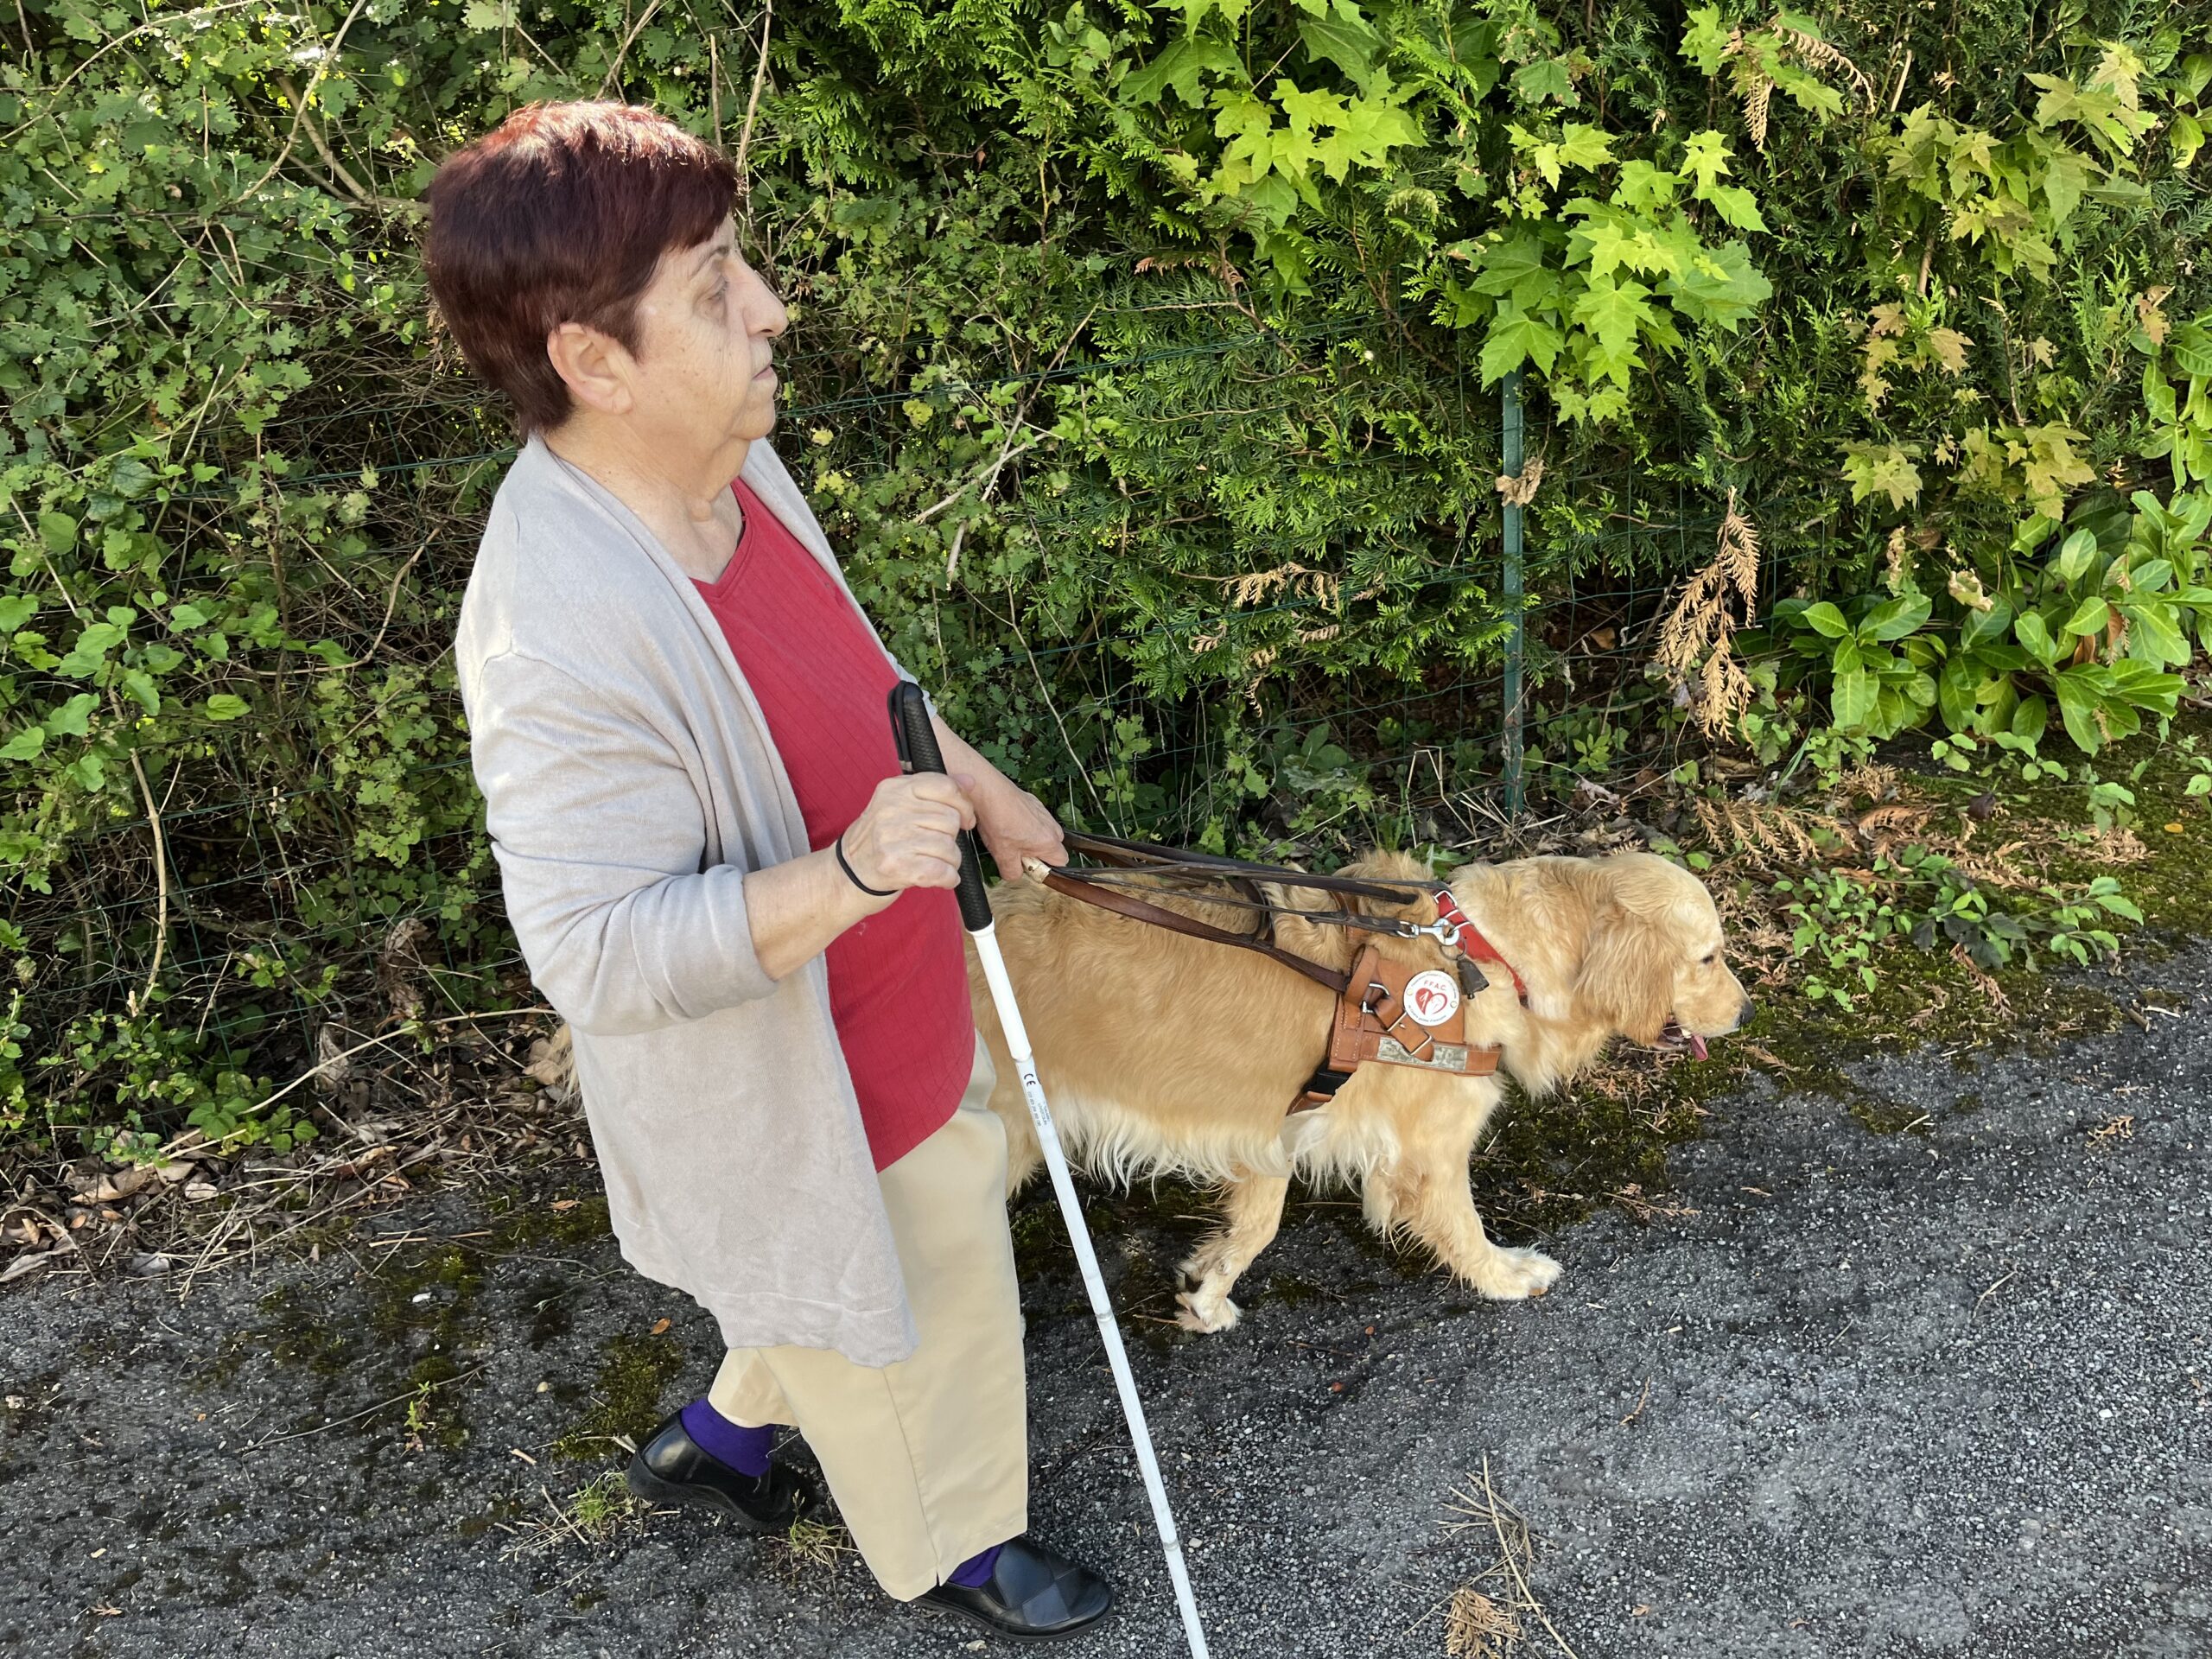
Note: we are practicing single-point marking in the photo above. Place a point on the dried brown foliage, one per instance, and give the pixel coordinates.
(1518, 490)
(1696, 641)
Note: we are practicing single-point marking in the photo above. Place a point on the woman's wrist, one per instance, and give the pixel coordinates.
(845, 864)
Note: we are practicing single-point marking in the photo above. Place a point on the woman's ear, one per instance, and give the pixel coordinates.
(1627, 978)
(593, 365)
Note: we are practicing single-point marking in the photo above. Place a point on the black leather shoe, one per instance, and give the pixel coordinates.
(1033, 1595)
(671, 1469)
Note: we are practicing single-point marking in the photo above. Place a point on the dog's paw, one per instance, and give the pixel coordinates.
(1203, 1311)
(1515, 1275)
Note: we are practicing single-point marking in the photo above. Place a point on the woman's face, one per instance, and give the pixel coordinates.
(706, 329)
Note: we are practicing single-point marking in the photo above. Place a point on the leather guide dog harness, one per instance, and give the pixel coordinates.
(1388, 1013)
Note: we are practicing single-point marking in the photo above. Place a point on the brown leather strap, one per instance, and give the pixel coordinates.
(1156, 859)
(1137, 910)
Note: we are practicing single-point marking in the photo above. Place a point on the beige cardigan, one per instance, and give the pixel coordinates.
(629, 783)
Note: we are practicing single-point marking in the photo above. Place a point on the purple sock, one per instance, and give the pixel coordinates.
(975, 1572)
(744, 1450)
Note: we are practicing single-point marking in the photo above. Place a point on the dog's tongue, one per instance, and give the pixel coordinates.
(1697, 1044)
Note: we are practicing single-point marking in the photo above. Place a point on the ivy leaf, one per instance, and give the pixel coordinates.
(57, 531)
(185, 617)
(73, 718)
(25, 745)
(131, 478)
(225, 705)
(1515, 338)
(90, 651)
(488, 15)
(140, 685)
(16, 609)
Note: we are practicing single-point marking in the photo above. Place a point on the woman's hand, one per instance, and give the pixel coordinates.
(907, 835)
(1014, 824)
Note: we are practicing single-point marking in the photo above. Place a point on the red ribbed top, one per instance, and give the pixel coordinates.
(898, 985)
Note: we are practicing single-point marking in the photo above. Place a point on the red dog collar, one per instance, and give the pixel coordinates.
(1471, 942)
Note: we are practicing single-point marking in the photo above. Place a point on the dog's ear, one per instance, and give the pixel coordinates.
(1627, 978)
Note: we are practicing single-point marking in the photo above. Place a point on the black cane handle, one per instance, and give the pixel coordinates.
(918, 751)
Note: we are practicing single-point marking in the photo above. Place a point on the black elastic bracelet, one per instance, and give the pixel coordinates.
(838, 846)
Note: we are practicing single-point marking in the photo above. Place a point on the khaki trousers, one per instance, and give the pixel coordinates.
(928, 1459)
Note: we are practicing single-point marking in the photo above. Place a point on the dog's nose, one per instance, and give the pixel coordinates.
(1743, 1014)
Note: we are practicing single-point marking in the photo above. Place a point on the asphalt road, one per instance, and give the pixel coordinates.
(1946, 1391)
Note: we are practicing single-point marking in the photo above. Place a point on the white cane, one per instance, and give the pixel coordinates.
(917, 748)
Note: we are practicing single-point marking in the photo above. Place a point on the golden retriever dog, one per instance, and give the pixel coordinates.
(1167, 1055)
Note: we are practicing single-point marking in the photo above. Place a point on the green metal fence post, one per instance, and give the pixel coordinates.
(1511, 589)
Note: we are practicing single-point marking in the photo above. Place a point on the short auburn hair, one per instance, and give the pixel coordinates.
(561, 214)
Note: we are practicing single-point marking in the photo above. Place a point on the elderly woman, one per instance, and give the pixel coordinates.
(720, 878)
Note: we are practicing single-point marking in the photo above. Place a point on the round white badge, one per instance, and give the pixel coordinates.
(1432, 997)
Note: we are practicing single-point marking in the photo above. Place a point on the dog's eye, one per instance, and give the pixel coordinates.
(1711, 956)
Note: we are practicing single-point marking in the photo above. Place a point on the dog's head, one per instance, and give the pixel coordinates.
(1653, 967)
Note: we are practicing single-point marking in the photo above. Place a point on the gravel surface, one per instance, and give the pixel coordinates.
(1943, 1391)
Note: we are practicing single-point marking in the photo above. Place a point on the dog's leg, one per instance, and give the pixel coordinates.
(1253, 1206)
(1441, 1214)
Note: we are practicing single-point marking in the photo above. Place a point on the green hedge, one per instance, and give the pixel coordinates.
(1145, 366)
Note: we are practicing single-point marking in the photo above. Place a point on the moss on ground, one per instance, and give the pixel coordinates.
(635, 1372)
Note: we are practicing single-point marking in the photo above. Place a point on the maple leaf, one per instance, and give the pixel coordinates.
(1515, 338)
(1884, 469)
(1719, 285)
(1516, 267)
(1613, 312)
(1706, 154)
(1643, 187)
(1950, 348)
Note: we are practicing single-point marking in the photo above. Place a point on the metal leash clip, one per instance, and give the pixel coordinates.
(1444, 932)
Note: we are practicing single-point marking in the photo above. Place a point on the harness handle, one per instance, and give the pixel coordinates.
(919, 751)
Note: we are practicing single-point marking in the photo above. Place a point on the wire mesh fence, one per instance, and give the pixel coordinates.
(256, 918)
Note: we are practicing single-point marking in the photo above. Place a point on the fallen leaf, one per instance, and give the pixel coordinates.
(201, 1191)
(1638, 1610)
(2173, 828)
(24, 1264)
(564, 1203)
(659, 1327)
